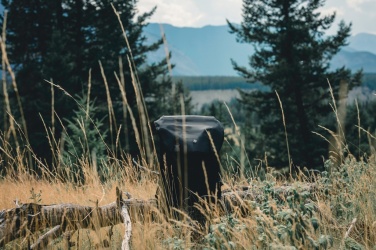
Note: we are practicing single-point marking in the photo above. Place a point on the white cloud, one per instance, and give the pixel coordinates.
(198, 13)
(357, 4)
(193, 13)
(179, 13)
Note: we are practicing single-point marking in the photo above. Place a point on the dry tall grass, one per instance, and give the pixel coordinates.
(335, 209)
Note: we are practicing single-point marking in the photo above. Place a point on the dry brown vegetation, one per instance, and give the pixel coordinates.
(335, 210)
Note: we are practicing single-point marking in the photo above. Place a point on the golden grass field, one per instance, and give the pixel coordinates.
(323, 218)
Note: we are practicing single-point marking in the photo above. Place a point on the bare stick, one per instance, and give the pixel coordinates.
(287, 140)
(128, 228)
(46, 238)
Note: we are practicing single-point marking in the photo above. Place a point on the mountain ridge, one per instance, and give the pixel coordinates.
(208, 50)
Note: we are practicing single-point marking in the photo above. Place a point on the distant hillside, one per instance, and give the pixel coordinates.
(208, 51)
(205, 89)
(214, 82)
(201, 83)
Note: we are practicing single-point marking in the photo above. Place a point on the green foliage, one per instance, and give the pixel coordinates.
(174, 243)
(351, 244)
(220, 234)
(85, 140)
(292, 55)
(280, 223)
(35, 197)
(347, 199)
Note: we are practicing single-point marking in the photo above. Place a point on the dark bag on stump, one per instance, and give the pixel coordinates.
(185, 147)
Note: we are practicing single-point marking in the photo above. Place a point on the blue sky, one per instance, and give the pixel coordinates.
(198, 13)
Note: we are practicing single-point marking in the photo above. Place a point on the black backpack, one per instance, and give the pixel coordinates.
(187, 143)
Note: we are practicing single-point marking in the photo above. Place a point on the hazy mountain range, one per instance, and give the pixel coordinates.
(208, 51)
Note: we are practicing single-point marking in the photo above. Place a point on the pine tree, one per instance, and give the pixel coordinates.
(62, 41)
(84, 141)
(292, 57)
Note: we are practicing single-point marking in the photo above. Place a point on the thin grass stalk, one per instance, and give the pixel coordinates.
(286, 136)
(323, 137)
(154, 149)
(117, 142)
(333, 139)
(88, 96)
(340, 130)
(52, 109)
(61, 153)
(342, 112)
(4, 76)
(367, 132)
(81, 124)
(342, 103)
(185, 167)
(125, 111)
(143, 116)
(335, 109)
(49, 135)
(14, 85)
(358, 116)
(243, 151)
(46, 173)
(5, 139)
(215, 151)
(242, 157)
(167, 53)
(133, 120)
(61, 145)
(21, 132)
(111, 113)
(52, 130)
(136, 82)
(11, 129)
(132, 60)
(185, 146)
(56, 146)
(206, 182)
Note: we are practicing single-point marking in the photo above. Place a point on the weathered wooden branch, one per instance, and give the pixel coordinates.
(31, 217)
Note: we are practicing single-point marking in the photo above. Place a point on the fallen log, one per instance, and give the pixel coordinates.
(20, 221)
